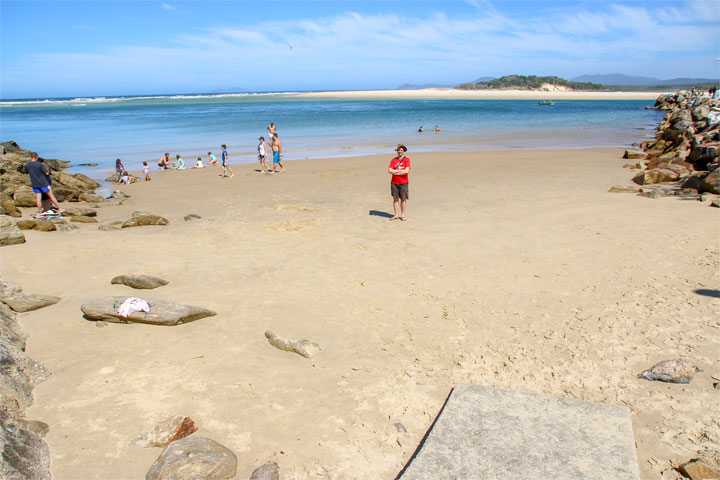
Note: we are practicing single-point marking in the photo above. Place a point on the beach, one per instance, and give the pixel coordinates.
(515, 269)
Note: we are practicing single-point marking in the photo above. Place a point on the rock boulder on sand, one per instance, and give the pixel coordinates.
(10, 234)
(27, 302)
(671, 371)
(711, 183)
(193, 458)
(145, 220)
(146, 282)
(161, 312)
(174, 428)
(269, 471)
(302, 347)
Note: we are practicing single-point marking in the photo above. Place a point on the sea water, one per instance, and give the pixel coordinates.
(137, 129)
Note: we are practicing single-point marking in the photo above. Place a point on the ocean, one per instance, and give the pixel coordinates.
(137, 129)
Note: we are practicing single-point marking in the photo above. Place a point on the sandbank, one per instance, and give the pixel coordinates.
(515, 270)
(454, 93)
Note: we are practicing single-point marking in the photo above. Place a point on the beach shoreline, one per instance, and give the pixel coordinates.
(515, 269)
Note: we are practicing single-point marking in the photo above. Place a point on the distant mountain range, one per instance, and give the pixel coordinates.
(620, 79)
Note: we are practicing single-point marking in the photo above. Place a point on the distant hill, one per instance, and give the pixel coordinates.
(620, 79)
(529, 82)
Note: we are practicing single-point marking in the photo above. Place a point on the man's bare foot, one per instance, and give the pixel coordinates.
(394, 218)
(403, 219)
(232, 175)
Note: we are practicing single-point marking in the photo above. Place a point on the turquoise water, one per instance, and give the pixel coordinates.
(99, 130)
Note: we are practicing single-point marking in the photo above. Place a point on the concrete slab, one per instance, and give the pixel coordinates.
(490, 433)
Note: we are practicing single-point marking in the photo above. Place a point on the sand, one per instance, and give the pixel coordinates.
(515, 269)
(446, 93)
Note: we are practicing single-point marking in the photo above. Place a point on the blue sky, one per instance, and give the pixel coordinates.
(90, 48)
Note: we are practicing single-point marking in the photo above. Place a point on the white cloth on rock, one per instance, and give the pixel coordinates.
(133, 304)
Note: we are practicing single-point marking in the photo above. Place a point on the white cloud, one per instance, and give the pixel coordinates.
(167, 6)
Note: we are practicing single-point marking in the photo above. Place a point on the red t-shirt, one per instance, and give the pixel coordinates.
(397, 164)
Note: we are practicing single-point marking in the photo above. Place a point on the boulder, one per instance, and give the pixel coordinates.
(302, 347)
(671, 371)
(25, 198)
(269, 471)
(161, 312)
(45, 225)
(193, 458)
(139, 281)
(174, 428)
(80, 212)
(65, 194)
(145, 220)
(27, 302)
(11, 208)
(81, 219)
(705, 467)
(656, 175)
(10, 234)
(90, 197)
(711, 183)
(633, 155)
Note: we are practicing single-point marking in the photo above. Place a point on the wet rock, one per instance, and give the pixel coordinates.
(174, 428)
(145, 220)
(192, 216)
(27, 302)
(82, 219)
(302, 347)
(10, 234)
(711, 183)
(671, 371)
(146, 282)
(622, 189)
(705, 467)
(193, 458)
(269, 471)
(161, 312)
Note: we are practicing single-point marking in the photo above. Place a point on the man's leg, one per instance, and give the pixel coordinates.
(38, 200)
(396, 207)
(402, 208)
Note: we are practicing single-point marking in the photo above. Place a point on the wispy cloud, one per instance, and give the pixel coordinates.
(167, 6)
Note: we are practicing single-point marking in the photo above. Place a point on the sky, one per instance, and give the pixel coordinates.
(104, 48)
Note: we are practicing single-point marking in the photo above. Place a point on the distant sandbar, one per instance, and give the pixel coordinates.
(486, 94)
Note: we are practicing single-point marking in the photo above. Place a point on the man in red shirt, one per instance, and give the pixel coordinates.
(399, 169)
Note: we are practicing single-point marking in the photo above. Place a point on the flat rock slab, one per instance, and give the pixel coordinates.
(489, 433)
(27, 302)
(161, 312)
(147, 282)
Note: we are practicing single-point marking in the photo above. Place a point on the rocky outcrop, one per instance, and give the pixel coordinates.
(161, 312)
(10, 234)
(15, 183)
(25, 455)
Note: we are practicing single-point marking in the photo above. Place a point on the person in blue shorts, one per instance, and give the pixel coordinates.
(40, 184)
(226, 162)
(277, 154)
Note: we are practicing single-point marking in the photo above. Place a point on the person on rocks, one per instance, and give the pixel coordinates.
(262, 154)
(44, 198)
(226, 162)
(399, 189)
(276, 146)
(39, 179)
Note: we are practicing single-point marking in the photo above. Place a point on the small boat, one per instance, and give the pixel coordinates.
(546, 102)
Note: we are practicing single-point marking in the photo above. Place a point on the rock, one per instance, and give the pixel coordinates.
(25, 198)
(705, 467)
(145, 220)
(693, 181)
(650, 194)
(66, 194)
(715, 203)
(25, 455)
(174, 428)
(671, 371)
(302, 347)
(81, 219)
(45, 225)
(622, 189)
(110, 226)
(118, 194)
(10, 208)
(26, 224)
(139, 281)
(711, 183)
(27, 302)
(193, 458)
(269, 471)
(161, 312)
(62, 225)
(656, 175)
(10, 234)
(192, 216)
(90, 197)
(630, 155)
(80, 212)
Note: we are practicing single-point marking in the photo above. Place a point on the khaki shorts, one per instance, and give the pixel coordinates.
(400, 191)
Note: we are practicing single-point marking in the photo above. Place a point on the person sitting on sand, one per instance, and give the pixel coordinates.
(39, 181)
(123, 175)
(211, 159)
(180, 165)
(399, 185)
(437, 129)
(199, 163)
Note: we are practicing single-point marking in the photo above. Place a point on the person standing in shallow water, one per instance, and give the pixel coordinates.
(399, 184)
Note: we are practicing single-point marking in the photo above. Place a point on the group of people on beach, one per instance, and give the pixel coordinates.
(179, 164)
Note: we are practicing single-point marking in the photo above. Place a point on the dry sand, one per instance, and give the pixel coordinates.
(515, 269)
(486, 94)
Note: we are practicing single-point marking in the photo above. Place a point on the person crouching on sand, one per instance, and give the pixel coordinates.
(211, 159)
(164, 162)
(399, 185)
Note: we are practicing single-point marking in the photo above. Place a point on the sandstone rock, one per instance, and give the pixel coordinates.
(110, 226)
(623, 189)
(193, 458)
(269, 471)
(705, 467)
(711, 183)
(26, 302)
(633, 155)
(161, 312)
(80, 219)
(10, 234)
(25, 455)
(26, 224)
(119, 194)
(80, 212)
(657, 175)
(90, 197)
(45, 225)
(25, 198)
(65, 227)
(66, 194)
(192, 216)
(139, 281)
(10, 208)
(145, 220)
(671, 371)
(302, 347)
(174, 428)
(650, 194)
